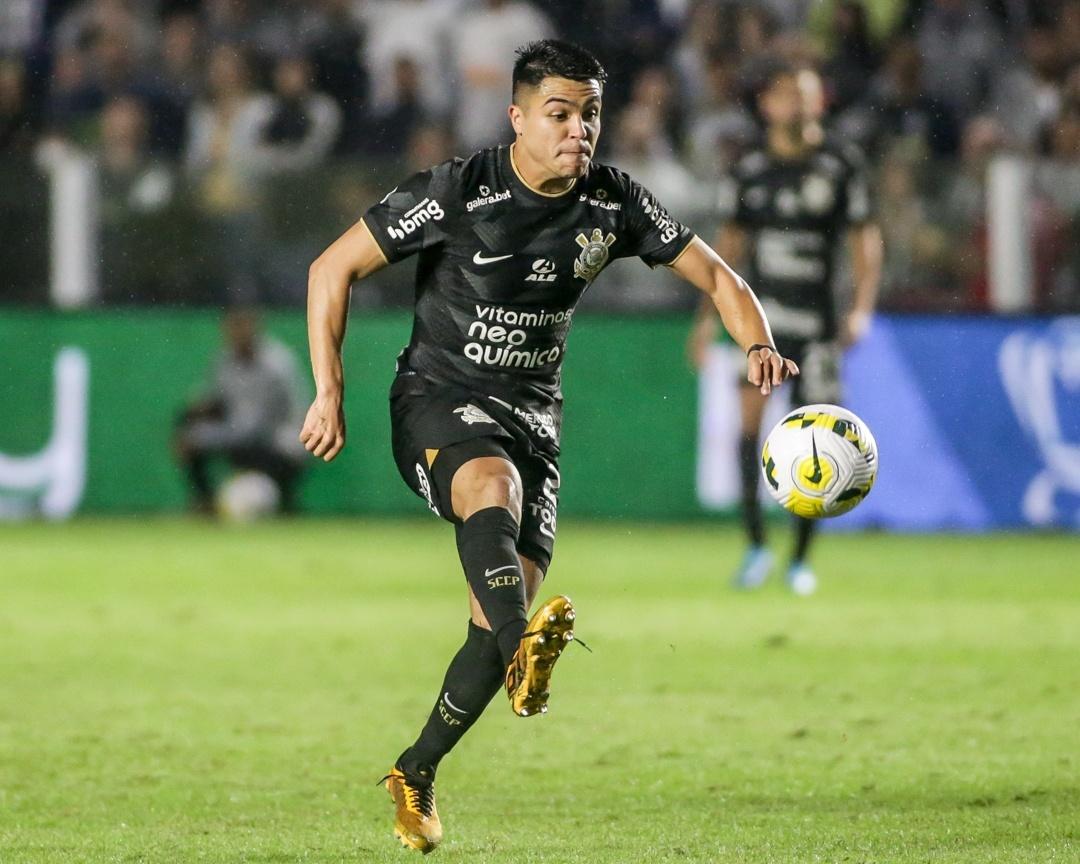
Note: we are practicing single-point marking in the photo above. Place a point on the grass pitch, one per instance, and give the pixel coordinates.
(172, 691)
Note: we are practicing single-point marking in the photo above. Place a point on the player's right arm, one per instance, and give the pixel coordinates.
(731, 245)
(415, 215)
(866, 247)
(354, 255)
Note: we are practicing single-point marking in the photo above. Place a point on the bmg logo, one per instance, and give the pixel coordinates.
(428, 210)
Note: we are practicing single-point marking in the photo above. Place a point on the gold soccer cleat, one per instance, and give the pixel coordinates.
(416, 821)
(529, 674)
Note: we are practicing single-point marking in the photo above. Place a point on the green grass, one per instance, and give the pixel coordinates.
(175, 692)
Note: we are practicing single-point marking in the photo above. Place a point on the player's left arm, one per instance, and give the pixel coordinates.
(740, 311)
(867, 254)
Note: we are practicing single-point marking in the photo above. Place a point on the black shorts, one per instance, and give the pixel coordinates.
(433, 421)
(818, 380)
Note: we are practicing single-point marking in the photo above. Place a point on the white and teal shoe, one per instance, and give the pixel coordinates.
(801, 579)
(754, 569)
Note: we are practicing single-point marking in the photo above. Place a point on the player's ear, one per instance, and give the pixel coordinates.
(517, 118)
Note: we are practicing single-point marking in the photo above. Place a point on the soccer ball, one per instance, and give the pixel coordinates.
(820, 460)
(247, 496)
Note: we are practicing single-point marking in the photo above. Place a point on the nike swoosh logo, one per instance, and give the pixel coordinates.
(489, 573)
(480, 259)
(816, 476)
(446, 699)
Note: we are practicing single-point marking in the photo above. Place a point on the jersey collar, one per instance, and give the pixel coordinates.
(531, 191)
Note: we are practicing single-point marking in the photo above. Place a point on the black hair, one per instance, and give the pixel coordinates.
(554, 58)
(768, 73)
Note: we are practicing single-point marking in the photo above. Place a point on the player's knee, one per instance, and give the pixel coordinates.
(504, 490)
(486, 482)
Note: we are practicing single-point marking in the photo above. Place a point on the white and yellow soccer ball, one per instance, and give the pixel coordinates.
(819, 461)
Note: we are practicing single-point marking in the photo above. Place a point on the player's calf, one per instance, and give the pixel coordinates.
(487, 545)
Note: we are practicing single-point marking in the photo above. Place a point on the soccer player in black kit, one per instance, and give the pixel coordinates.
(508, 241)
(793, 200)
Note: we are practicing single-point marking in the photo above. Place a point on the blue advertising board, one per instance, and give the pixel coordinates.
(977, 421)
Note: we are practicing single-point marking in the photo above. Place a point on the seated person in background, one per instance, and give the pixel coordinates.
(254, 404)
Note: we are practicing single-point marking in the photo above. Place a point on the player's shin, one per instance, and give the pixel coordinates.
(749, 472)
(487, 545)
(804, 533)
(472, 679)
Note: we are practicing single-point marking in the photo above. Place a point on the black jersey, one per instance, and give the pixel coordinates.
(794, 212)
(502, 266)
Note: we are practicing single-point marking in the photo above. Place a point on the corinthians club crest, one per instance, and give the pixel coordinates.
(594, 254)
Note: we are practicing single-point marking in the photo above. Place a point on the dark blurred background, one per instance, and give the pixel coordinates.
(205, 152)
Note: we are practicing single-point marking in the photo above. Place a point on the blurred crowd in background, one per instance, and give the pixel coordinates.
(234, 139)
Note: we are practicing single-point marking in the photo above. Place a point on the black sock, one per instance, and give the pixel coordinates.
(749, 469)
(472, 678)
(487, 544)
(804, 531)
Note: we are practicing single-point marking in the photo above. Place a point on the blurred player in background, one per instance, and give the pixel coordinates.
(247, 417)
(792, 201)
(508, 240)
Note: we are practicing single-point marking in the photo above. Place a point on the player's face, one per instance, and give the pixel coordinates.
(241, 328)
(557, 124)
(782, 103)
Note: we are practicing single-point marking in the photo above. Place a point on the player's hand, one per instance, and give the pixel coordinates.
(766, 368)
(854, 327)
(323, 434)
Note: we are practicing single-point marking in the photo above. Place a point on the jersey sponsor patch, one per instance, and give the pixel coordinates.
(782, 254)
(471, 414)
(600, 201)
(501, 337)
(428, 210)
(545, 507)
(539, 422)
(668, 227)
(543, 270)
(487, 198)
(792, 322)
(818, 194)
(425, 488)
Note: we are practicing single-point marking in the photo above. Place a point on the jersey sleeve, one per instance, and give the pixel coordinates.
(654, 236)
(418, 213)
(859, 207)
